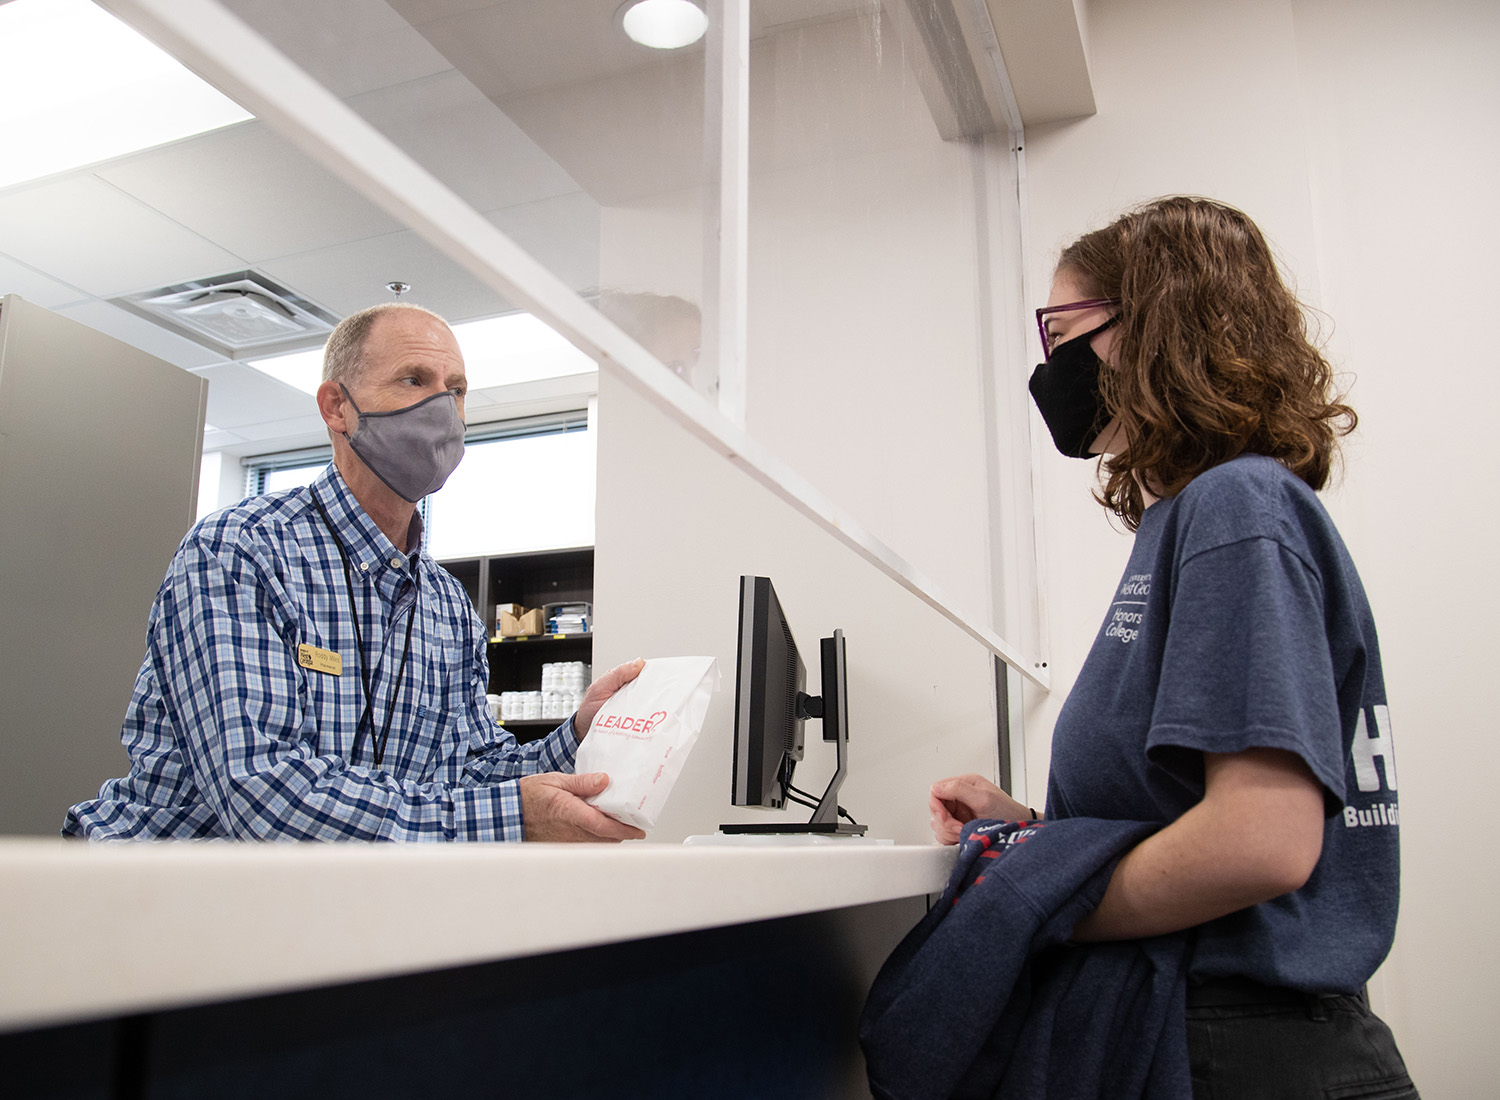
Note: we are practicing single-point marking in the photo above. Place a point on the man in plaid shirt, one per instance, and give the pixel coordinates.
(312, 674)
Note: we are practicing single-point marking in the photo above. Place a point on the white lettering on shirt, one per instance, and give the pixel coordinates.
(1382, 813)
(1366, 748)
(1127, 613)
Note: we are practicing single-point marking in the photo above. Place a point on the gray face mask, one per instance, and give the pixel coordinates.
(412, 450)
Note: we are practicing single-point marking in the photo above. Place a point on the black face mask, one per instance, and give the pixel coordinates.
(1066, 392)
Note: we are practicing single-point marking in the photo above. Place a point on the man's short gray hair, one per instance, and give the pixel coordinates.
(343, 355)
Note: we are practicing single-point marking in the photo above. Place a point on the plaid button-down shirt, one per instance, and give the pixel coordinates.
(229, 736)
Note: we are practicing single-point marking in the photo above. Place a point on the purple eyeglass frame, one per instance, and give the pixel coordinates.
(1046, 311)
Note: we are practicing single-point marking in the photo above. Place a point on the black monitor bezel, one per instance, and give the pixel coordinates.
(760, 612)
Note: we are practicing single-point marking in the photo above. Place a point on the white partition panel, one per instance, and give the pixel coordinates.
(211, 40)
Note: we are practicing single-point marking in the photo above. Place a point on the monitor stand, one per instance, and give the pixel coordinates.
(825, 819)
(825, 828)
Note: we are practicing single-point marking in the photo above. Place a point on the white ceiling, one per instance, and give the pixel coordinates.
(242, 197)
(531, 110)
(82, 231)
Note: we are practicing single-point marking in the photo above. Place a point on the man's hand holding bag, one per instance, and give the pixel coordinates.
(642, 734)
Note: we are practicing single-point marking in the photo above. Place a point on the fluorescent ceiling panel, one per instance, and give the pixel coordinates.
(516, 348)
(302, 369)
(500, 351)
(79, 86)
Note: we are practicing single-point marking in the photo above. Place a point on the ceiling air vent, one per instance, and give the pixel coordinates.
(243, 315)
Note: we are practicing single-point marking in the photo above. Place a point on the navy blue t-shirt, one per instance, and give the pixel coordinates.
(1241, 623)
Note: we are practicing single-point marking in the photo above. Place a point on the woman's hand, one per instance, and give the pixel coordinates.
(964, 798)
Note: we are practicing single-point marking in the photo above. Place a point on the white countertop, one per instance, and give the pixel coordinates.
(89, 930)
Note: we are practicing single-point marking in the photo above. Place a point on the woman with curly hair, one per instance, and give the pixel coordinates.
(1233, 694)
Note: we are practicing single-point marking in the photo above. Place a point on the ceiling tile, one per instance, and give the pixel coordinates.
(579, 386)
(17, 278)
(545, 395)
(286, 435)
(249, 192)
(240, 396)
(347, 278)
(457, 134)
(349, 46)
(562, 233)
(218, 439)
(141, 333)
(80, 230)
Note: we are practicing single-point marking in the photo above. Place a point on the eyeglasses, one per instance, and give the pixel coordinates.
(1047, 311)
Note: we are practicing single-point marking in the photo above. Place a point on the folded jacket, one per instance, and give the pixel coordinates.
(987, 998)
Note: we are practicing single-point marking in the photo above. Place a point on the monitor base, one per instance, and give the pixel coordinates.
(826, 828)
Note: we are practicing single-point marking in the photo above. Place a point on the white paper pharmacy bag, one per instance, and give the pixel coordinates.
(643, 733)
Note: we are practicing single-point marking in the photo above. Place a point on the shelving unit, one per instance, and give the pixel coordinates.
(530, 579)
(531, 729)
(542, 639)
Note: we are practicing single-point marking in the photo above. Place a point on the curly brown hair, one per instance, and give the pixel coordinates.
(1213, 355)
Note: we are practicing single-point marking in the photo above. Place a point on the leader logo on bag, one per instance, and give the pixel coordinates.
(641, 736)
(621, 722)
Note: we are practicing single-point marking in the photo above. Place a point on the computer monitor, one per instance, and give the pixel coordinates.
(770, 708)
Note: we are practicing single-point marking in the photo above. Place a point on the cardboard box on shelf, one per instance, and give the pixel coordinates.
(514, 621)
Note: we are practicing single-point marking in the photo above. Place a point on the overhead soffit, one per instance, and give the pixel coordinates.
(349, 46)
(626, 122)
(514, 47)
(567, 75)
(1044, 43)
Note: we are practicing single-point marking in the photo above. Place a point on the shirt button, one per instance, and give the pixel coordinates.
(364, 567)
(395, 563)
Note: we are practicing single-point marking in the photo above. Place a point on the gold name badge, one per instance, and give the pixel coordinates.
(320, 660)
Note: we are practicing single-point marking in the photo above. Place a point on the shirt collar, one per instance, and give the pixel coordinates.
(362, 539)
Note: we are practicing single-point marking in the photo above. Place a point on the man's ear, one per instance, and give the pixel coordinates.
(335, 409)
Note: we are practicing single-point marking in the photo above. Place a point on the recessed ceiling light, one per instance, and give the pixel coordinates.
(664, 24)
(500, 351)
(79, 86)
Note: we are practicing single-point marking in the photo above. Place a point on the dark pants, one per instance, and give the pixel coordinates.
(1251, 1042)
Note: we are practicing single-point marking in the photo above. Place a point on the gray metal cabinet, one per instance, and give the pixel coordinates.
(99, 451)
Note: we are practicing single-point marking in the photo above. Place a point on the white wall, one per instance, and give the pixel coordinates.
(221, 482)
(1360, 136)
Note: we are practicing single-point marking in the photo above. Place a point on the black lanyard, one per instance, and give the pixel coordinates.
(364, 671)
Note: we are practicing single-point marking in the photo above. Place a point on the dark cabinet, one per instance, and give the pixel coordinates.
(533, 580)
